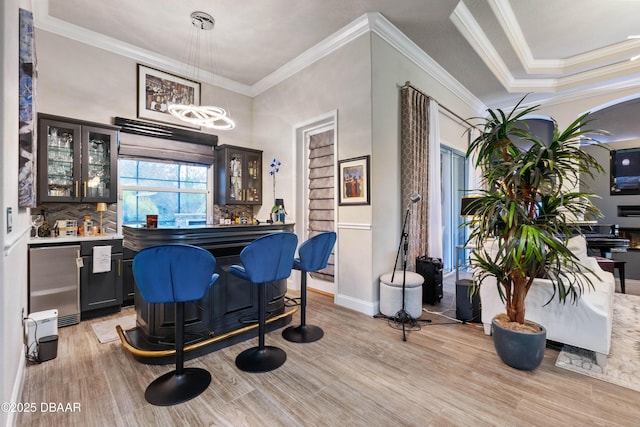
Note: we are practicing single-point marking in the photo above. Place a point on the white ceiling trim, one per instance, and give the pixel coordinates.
(378, 24)
(504, 13)
(476, 37)
(44, 21)
(471, 31)
(373, 22)
(332, 43)
(399, 41)
(579, 94)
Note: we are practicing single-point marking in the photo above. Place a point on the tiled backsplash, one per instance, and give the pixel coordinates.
(77, 211)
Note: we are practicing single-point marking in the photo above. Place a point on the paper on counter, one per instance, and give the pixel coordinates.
(101, 259)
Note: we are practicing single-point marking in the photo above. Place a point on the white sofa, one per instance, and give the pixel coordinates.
(585, 324)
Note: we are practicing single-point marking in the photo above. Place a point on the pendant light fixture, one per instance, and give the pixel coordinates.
(208, 116)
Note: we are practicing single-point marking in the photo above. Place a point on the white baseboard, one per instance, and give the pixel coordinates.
(18, 384)
(361, 306)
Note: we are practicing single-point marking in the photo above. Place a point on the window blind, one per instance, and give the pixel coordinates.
(321, 192)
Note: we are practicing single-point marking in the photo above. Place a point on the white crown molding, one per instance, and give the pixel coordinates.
(382, 27)
(378, 24)
(44, 21)
(581, 93)
(471, 30)
(330, 44)
(504, 13)
(369, 22)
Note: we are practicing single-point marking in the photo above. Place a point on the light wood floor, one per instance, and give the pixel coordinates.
(360, 374)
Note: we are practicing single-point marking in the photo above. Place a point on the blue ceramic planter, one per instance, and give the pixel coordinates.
(520, 350)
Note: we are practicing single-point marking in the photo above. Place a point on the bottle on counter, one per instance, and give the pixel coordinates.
(45, 228)
(87, 225)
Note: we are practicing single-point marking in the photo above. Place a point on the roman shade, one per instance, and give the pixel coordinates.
(163, 149)
(147, 140)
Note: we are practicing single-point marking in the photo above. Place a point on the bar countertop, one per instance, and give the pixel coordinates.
(137, 237)
(70, 239)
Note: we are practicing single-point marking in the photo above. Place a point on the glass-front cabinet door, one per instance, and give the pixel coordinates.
(98, 164)
(236, 174)
(239, 176)
(253, 187)
(59, 161)
(77, 161)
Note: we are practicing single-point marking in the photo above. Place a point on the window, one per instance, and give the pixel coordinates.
(178, 193)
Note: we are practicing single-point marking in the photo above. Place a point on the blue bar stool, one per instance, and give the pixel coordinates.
(265, 260)
(175, 274)
(313, 256)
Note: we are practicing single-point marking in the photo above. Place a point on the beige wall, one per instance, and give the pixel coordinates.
(341, 81)
(80, 81)
(390, 71)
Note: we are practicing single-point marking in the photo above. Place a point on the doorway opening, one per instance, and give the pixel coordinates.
(316, 144)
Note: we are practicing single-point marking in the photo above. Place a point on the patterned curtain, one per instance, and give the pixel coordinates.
(414, 166)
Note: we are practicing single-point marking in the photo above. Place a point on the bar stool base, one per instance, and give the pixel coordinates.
(172, 388)
(256, 359)
(302, 333)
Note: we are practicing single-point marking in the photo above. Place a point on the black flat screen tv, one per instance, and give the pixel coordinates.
(625, 171)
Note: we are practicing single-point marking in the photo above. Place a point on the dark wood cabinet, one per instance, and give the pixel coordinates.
(100, 292)
(77, 161)
(238, 176)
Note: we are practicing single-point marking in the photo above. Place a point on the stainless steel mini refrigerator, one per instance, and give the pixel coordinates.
(54, 282)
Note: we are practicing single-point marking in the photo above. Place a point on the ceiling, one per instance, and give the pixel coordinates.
(498, 50)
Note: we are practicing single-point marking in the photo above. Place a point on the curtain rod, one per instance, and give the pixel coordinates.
(408, 84)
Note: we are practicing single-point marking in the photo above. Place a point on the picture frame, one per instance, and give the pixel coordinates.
(354, 181)
(157, 88)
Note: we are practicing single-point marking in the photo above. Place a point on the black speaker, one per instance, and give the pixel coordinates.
(468, 307)
(431, 270)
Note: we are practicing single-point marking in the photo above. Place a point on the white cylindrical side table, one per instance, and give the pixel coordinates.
(391, 294)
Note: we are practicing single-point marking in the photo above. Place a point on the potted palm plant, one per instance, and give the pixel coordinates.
(528, 212)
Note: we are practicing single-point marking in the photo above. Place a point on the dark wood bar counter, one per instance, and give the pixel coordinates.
(225, 316)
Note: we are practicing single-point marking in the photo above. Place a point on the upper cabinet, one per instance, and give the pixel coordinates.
(77, 161)
(239, 176)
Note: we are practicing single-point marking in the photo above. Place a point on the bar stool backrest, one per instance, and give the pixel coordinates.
(174, 273)
(314, 253)
(269, 258)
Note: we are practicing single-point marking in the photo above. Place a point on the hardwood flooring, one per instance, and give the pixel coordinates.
(360, 373)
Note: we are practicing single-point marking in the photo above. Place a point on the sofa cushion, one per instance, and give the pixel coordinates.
(578, 246)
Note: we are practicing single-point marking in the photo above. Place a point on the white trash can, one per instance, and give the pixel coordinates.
(391, 294)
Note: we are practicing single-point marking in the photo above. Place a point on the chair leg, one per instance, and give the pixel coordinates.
(181, 384)
(261, 358)
(303, 333)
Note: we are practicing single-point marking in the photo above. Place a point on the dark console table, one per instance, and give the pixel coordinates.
(227, 313)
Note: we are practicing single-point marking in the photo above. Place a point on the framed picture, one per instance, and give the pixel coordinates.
(27, 154)
(354, 181)
(156, 89)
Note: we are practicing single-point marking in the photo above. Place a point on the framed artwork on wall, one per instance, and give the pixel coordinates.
(27, 154)
(156, 89)
(354, 181)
